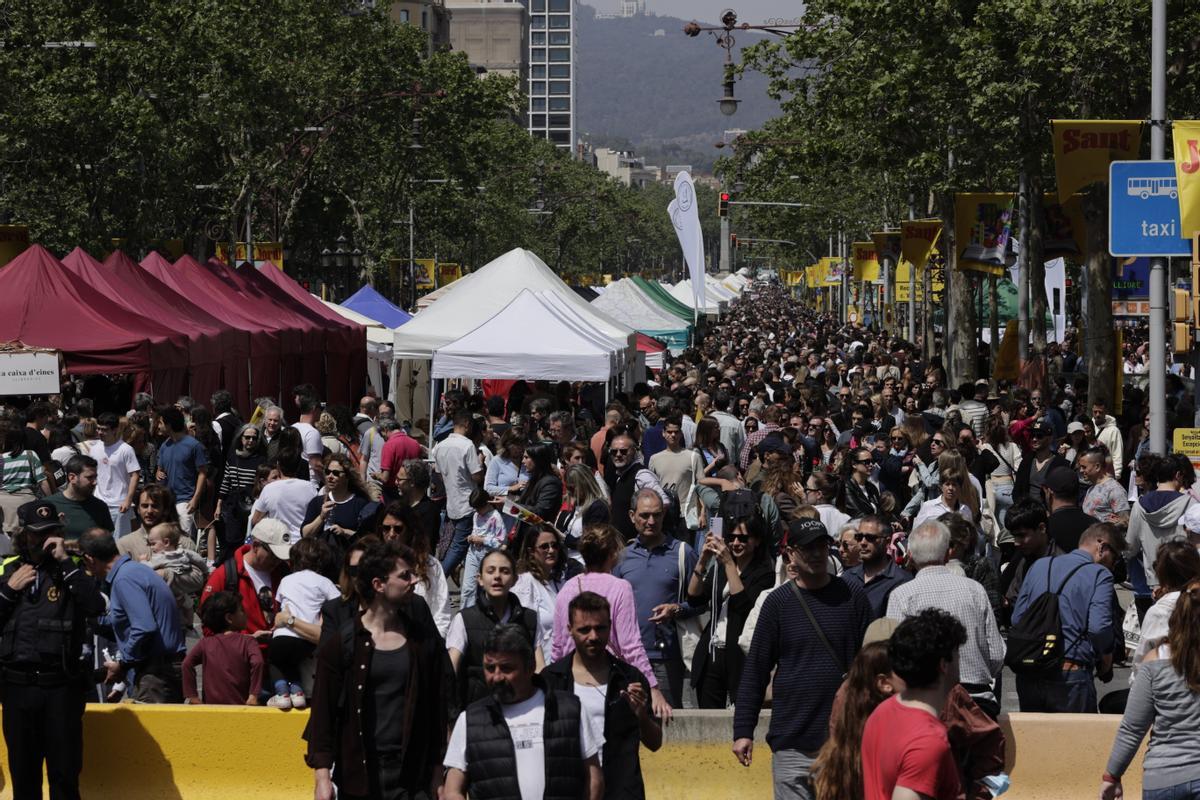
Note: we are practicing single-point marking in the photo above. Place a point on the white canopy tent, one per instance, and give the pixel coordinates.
(625, 302)
(379, 343)
(475, 298)
(682, 292)
(715, 287)
(537, 336)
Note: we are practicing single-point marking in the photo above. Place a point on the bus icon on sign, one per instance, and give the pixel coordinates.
(1146, 188)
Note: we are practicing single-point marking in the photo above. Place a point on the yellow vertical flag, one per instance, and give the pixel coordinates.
(1083, 149)
(1186, 135)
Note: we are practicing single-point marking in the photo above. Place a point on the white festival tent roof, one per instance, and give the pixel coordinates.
(476, 297)
(626, 303)
(537, 336)
(735, 283)
(717, 288)
(682, 292)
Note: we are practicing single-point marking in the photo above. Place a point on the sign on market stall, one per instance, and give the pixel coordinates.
(29, 371)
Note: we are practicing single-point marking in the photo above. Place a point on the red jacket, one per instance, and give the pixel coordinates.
(256, 618)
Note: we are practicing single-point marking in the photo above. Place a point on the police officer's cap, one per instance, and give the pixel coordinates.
(39, 516)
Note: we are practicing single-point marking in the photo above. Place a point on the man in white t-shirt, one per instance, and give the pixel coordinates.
(285, 499)
(457, 461)
(314, 450)
(117, 473)
(542, 748)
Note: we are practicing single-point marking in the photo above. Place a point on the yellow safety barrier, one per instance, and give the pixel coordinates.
(222, 752)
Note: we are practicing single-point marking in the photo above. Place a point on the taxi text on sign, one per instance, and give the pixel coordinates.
(1143, 210)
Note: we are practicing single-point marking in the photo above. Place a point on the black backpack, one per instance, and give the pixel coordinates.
(1035, 644)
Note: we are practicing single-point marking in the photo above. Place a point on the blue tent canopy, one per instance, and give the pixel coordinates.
(370, 303)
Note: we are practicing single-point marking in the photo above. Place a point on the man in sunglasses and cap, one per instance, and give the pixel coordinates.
(1036, 466)
(45, 598)
(810, 629)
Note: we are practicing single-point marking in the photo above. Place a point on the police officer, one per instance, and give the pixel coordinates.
(45, 598)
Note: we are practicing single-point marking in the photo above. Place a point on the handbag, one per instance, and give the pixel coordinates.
(688, 629)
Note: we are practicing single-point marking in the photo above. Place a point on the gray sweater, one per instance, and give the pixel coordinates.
(1160, 698)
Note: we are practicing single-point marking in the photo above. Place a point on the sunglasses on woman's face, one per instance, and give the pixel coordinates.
(335, 472)
(547, 547)
(392, 528)
(737, 537)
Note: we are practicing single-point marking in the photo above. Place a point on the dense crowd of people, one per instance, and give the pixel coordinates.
(793, 513)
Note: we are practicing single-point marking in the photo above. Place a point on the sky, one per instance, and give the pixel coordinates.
(755, 12)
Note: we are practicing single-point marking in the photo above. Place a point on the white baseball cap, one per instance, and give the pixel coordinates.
(275, 535)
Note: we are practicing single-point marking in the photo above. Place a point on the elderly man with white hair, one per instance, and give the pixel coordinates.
(936, 586)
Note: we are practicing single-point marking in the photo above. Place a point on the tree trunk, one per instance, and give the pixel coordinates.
(1098, 342)
(994, 318)
(961, 335)
(1037, 266)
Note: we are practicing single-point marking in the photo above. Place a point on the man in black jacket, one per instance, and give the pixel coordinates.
(525, 740)
(615, 694)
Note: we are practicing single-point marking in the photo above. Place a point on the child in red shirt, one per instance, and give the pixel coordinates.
(232, 660)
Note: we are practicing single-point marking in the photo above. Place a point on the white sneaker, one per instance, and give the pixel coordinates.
(281, 701)
(298, 700)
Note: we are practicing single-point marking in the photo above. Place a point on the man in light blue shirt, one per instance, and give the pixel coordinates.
(142, 618)
(1083, 579)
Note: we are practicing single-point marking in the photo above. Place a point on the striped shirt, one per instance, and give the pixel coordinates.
(21, 472)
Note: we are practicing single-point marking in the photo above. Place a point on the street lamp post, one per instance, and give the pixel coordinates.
(725, 40)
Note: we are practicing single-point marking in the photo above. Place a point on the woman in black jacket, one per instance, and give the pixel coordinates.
(543, 494)
(743, 572)
(860, 497)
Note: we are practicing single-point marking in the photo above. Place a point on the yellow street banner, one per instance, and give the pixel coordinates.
(830, 271)
(423, 270)
(1083, 149)
(864, 261)
(917, 240)
(1064, 230)
(263, 251)
(448, 272)
(982, 226)
(1186, 135)
(14, 240)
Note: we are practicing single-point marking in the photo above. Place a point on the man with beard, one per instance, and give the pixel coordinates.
(613, 693)
(525, 741)
(45, 597)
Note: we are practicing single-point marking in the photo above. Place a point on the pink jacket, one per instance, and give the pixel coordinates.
(625, 641)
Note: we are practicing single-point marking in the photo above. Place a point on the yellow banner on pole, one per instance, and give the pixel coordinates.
(830, 271)
(917, 240)
(1083, 149)
(448, 272)
(423, 268)
(263, 251)
(14, 240)
(864, 261)
(887, 246)
(1186, 138)
(982, 226)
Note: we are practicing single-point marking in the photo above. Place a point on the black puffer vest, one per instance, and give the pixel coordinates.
(620, 492)
(492, 759)
(479, 620)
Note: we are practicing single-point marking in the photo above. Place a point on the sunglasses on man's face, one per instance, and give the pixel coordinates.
(866, 537)
(619, 451)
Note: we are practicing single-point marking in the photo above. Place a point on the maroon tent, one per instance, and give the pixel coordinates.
(187, 278)
(45, 305)
(345, 374)
(211, 344)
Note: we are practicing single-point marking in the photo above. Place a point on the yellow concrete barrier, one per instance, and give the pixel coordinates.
(222, 752)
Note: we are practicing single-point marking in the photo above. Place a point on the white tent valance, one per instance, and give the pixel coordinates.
(537, 336)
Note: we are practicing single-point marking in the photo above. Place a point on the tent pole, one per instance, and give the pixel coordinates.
(432, 402)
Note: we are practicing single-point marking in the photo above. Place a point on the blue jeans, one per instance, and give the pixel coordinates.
(1180, 791)
(470, 576)
(1070, 692)
(457, 550)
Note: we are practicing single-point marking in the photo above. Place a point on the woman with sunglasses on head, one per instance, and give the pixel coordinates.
(343, 510)
(542, 569)
(400, 524)
(743, 571)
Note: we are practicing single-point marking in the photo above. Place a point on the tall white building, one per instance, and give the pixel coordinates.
(552, 71)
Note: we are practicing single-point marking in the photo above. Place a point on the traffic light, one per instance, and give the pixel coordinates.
(733, 242)
(723, 207)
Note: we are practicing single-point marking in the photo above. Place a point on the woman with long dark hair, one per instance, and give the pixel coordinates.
(707, 442)
(400, 523)
(860, 497)
(343, 510)
(1165, 699)
(837, 770)
(543, 492)
(743, 571)
(542, 569)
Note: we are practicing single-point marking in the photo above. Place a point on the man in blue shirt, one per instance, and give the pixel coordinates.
(876, 573)
(1084, 581)
(652, 565)
(183, 467)
(142, 618)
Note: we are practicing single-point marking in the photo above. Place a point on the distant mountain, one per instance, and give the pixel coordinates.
(641, 83)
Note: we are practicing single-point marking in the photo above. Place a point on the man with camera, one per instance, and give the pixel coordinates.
(45, 598)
